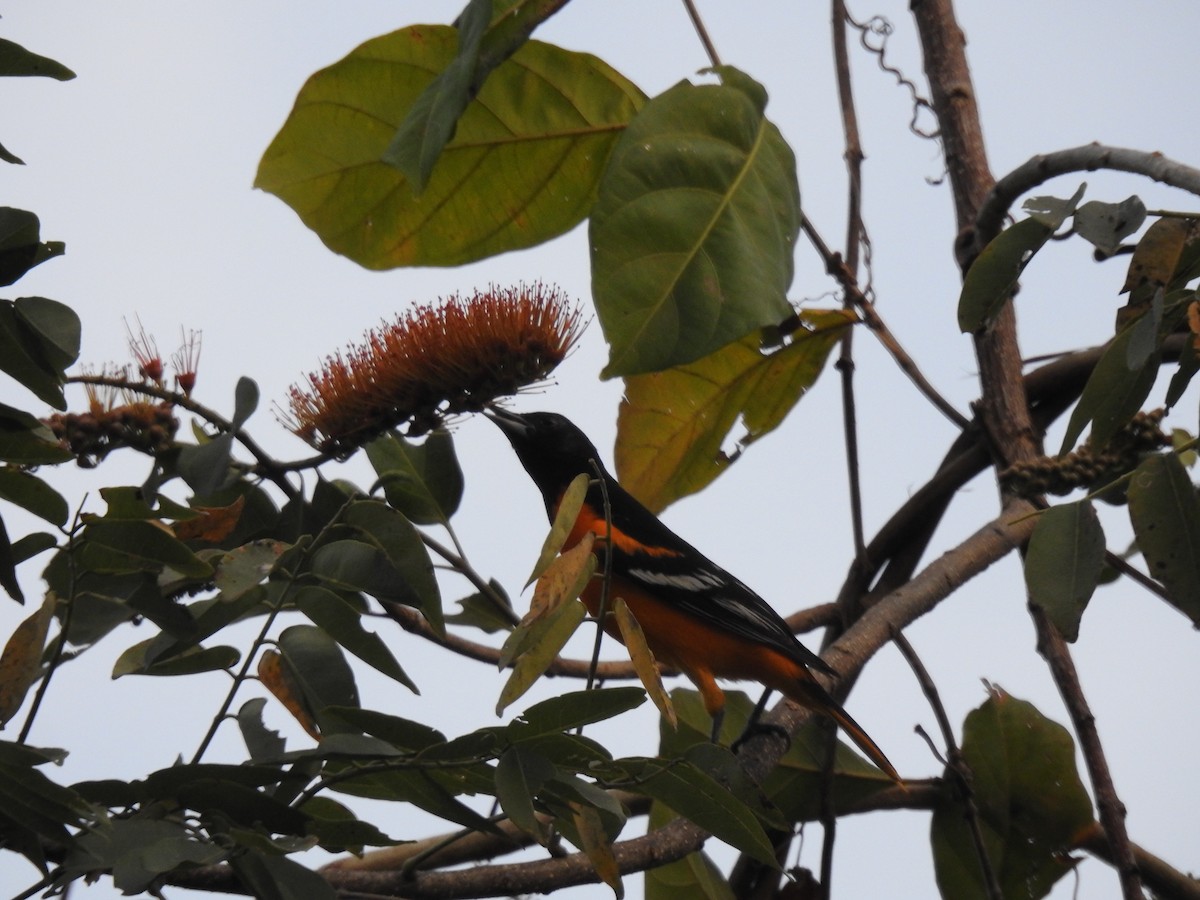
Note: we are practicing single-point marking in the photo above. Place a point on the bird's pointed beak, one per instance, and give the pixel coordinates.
(512, 424)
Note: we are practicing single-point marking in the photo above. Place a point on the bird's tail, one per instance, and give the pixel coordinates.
(812, 695)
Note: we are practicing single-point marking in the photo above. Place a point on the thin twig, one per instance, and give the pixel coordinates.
(836, 266)
(267, 466)
(955, 762)
(1112, 811)
(60, 644)
(709, 47)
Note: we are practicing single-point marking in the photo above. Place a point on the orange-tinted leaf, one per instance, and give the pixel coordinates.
(22, 658)
(564, 579)
(672, 424)
(1157, 254)
(213, 524)
(597, 846)
(274, 674)
(643, 660)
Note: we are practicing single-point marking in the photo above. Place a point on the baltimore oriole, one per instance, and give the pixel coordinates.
(696, 616)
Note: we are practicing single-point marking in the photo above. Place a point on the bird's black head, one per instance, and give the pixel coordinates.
(552, 450)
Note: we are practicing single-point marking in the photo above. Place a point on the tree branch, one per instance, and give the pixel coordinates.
(1088, 158)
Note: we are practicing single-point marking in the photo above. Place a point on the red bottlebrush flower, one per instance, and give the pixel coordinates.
(186, 360)
(145, 353)
(435, 361)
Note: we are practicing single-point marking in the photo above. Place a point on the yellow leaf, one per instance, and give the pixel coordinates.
(643, 660)
(597, 846)
(672, 425)
(564, 521)
(22, 658)
(544, 639)
(275, 676)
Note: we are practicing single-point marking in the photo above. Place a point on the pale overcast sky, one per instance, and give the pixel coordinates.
(143, 165)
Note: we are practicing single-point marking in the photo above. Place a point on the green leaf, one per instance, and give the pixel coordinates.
(26, 441)
(23, 358)
(145, 544)
(520, 774)
(431, 121)
(319, 667)
(695, 877)
(1113, 393)
(15, 60)
(701, 799)
(21, 246)
(245, 400)
(994, 274)
(1063, 563)
(522, 166)
(694, 230)
(10, 157)
(478, 611)
(1165, 514)
(140, 659)
(205, 467)
(418, 788)
(423, 480)
(1031, 804)
(339, 830)
(261, 742)
(31, 493)
(574, 710)
(1105, 225)
(273, 877)
(343, 623)
(395, 536)
(401, 733)
(55, 328)
(672, 425)
(245, 567)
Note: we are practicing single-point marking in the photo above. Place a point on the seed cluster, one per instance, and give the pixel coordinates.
(432, 362)
(1085, 467)
(92, 435)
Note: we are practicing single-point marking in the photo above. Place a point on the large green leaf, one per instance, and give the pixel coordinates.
(522, 166)
(36, 337)
(396, 537)
(1031, 804)
(672, 425)
(693, 232)
(343, 623)
(1165, 513)
(423, 480)
(144, 544)
(1063, 563)
(318, 667)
